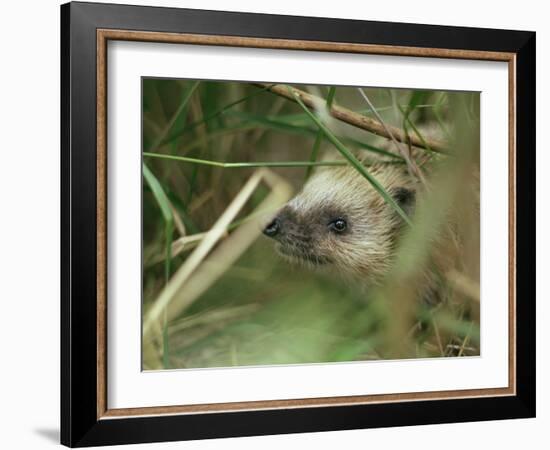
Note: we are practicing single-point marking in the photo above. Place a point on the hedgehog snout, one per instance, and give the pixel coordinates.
(273, 228)
(285, 227)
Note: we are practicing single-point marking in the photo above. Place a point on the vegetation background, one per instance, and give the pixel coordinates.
(210, 145)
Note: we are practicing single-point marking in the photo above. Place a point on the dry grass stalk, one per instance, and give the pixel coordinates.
(190, 281)
(464, 284)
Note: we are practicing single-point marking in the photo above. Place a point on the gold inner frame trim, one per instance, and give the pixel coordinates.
(103, 36)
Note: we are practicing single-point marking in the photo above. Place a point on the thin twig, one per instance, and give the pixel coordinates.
(411, 165)
(465, 342)
(458, 347)
(353, 118)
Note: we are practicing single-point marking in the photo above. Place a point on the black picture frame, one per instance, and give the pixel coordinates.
(80, 425)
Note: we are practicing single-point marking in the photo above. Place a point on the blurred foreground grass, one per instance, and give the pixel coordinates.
(240, 304)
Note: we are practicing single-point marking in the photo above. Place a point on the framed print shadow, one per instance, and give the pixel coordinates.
(276, 224)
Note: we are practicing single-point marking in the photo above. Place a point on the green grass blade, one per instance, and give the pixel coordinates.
(164, 204)
(314, 152)
(407, 120)
(417, 98)
(250, 121)
(273, 123)
(438, 117)
(353, 160)
(320, 134)
(178, 115)
(206, 140)
(179, 131)
(236, 165)
(330, 96)
(194, 173)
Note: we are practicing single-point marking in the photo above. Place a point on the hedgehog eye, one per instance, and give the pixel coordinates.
(338, 225)
(406, 198)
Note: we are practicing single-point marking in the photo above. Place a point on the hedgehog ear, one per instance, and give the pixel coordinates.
(405, 198)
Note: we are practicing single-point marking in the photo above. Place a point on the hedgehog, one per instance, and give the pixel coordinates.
(340, 223)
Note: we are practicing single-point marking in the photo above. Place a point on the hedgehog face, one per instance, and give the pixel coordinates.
(305, 236)
(339, 221)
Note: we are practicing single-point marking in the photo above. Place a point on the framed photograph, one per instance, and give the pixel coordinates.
(276, 224)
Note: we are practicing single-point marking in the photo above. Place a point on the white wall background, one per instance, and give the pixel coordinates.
(29, 226)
